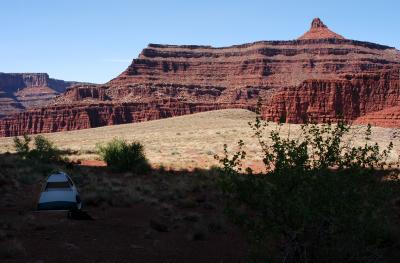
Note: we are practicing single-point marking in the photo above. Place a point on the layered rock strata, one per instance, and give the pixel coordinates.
(319, 77)
(20, 91)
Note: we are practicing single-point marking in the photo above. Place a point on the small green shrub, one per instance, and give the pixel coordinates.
(122, 156)
(319, 200)
(43, 149)
(22, 145)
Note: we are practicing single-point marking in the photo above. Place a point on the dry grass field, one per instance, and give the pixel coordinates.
(191, 141)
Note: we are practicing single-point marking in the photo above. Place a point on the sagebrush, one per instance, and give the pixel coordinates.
(122, 156)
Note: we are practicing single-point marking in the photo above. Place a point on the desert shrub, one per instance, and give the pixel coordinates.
(43, 149)
(22, 145)
(16, 172)
(122, 156)
(319, 200)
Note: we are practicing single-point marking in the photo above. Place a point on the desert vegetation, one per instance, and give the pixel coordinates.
(43, 149)
(123, 156)
(319, 199)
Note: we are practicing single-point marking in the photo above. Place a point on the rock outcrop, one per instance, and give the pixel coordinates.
(74, 117)
(319, 77)
(19, 91)
(319, 30)
(388, 117)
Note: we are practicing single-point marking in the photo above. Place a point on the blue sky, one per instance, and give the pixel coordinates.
(95, 40)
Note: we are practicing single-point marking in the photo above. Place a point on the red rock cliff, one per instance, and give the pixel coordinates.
(320, 76)
(19, 91)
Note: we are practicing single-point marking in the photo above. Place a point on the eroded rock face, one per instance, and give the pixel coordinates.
(19, 91)
(322, 100)
(320, 76)
(74, 117)
(319, 30)
(388, 117)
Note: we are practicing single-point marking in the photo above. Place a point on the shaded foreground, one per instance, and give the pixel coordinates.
(164, 216)
(323, 201)
(160, 217)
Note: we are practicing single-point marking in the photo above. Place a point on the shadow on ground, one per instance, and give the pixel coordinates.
(164, 216)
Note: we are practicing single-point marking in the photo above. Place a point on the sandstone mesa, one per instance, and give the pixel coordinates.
(321, 76)
(21, 91)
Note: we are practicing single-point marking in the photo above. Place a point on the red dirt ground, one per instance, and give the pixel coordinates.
(116, 235)
(96, 163)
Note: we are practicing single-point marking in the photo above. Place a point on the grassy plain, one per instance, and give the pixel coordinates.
(191, 141)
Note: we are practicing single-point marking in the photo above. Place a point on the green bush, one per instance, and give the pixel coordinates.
(122, 156)
(22, 145)
(319, 200)
(43, 149)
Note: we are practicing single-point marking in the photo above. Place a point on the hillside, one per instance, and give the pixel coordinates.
(21, 91)
(189, 141)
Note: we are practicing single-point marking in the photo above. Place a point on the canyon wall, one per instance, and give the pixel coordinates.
(319, 77)
(322, 100)
(65, 118)
(20, 91)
